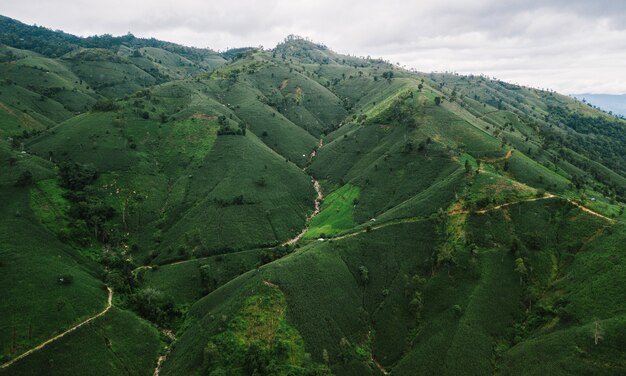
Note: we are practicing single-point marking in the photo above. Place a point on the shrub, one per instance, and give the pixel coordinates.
(25, 179)
(104, 106)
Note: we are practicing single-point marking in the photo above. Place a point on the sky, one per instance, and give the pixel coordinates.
(571, 46)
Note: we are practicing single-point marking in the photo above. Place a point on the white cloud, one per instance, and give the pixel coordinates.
(567, 45)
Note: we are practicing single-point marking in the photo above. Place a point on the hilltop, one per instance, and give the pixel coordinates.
(295, 211)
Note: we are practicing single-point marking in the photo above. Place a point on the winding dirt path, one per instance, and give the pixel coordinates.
(508, 155)
(587, 210)
(544, 197)
(168, 349)
(318, 199)
(46, 343)
(270, 284)
(378, 365)
(458, 212)
(421, 219)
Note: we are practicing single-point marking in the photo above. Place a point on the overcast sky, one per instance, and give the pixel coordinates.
(572, 46)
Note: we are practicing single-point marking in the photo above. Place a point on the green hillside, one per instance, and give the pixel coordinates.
(294, 211)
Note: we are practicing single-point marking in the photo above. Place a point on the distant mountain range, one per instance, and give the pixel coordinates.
(168, 210)
(608, 102)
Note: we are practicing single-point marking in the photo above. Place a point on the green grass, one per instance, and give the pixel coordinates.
(193, 137)
(262, 323)
(526, 170)
(119, 343)
(183, 281)
(271, 126)
(416, 289)
(32, 260)
(49, 205)
(336, 213)
(86, 139)
(277, 197)
(491, 189)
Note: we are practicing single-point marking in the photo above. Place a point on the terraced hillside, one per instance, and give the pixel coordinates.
(295, 211)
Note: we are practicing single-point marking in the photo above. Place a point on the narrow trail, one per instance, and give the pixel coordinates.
(421, 219)
(486, 114)
(378, 365)
(270, 284)
(587, 210)
(400, 221)
(544, 197)
(46, 343)
(318, 199)
(459, 212)
(168, 349)
(508, 155)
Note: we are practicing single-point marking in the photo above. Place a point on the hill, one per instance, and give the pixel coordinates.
(295, 211)
(607, 102)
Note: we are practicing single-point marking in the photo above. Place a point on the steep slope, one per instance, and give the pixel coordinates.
(467, 226)
(48, 286)
(173, 181)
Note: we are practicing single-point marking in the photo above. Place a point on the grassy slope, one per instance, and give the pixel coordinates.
(32, 260)
(272, 211)
(471, 335)
(183, 281)
(118, 343)
(467, 315)
(176, 182)
(336, 213)
(159, 174)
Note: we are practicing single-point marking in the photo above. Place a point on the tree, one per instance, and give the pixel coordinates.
(25, 179)
(153, 305)
(206, 278)
(364, 274)
(520, 268)
(437, 101)
(75, 176)
(468, 167)
(416, 304)
(445, 256)
(104, 106)
(256, 361)
(388, 75)
(345, 347)
(598, 332)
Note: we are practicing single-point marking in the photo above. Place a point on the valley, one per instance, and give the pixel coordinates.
(169, 210)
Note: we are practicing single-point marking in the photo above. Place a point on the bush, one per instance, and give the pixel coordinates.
(104, 106)
(154, 306)
(25, 179)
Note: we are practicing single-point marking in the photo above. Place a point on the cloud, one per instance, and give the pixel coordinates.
(567, 45)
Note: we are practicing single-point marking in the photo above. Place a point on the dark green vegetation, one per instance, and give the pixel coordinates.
(469, 226)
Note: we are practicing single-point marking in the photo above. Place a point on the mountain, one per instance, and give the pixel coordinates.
(295, 211)
(608, 102)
